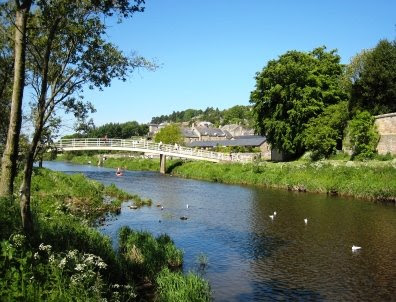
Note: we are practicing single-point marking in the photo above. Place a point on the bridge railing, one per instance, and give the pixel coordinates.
(146, 146)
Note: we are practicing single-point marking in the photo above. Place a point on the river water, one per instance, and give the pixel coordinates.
(254, 258)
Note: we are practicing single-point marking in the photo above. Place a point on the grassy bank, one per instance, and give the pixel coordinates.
(372, 180)
(369, 180)
(67, 259)
(141, 164)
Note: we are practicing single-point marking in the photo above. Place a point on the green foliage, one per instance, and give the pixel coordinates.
(170, 134)
(368, 180)
(147, 255)
(173, 286)
(237, 149)
(235, 115)
(119, 130)
(374, 87)
(363, 136)
(324, 132)
(292, 90)
(41, 274)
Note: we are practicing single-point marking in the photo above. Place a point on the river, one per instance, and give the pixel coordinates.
(254, 258)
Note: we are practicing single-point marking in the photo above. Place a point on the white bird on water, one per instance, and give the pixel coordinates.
(275, 213)
(187, 206)
(271, 216)
(355, 248)
(306, 220)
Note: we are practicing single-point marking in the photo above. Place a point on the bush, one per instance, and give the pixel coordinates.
(363, 136)
(324, 132)
(173, 286)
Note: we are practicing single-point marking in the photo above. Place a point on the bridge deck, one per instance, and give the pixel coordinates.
(81, 144)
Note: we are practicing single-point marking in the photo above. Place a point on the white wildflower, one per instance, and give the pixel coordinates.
(80, 267)
(62, 263)
(46, 248)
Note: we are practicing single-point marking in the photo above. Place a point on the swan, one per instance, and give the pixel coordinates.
(306, 220)
(271, 216)
(275, 213)
(355, 248)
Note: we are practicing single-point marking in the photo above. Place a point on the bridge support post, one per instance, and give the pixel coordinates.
(162, 163)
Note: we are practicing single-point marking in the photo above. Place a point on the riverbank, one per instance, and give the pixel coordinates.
(370, 180)
(68, 259)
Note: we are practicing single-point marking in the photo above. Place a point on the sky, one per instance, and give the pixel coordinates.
(210, 50)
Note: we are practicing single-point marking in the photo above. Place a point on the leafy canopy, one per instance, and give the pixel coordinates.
(325, 132)
(292, 90)
(374, 86)
(170, 134)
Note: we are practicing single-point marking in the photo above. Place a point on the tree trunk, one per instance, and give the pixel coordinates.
(27, 221)
(10, 155)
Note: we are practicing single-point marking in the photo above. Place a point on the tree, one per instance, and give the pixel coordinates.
(238, 115)
(10, 154)
(6, 69)
(170, 134)
(374, 86)
(363, 136)
(67, 51)
(324, 134)
(292, 90)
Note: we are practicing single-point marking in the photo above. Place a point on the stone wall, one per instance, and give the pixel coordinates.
(265, 151)
(386, 126)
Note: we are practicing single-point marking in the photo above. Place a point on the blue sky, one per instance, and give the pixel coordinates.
(210, 50)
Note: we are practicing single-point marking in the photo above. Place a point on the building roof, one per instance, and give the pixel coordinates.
(210, 131)
(252, 141)
(187, 132)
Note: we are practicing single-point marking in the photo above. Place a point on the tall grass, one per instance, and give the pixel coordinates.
(173, 286)
(148, 255)
(371, 180)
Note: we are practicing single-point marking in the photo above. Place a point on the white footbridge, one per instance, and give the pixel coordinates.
(144, 146)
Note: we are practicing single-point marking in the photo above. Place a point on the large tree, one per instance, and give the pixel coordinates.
(66, 53)
(292, 90)
(374, 83)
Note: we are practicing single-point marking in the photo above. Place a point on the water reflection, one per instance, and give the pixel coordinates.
(254, 258)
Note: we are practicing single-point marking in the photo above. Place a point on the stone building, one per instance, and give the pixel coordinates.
(386, 126)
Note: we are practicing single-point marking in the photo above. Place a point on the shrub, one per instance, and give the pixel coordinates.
(324, 132)
(363, 136)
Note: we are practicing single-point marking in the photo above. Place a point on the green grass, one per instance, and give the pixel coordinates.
(125, 163)
(337, 176)
(369, 180)
(173, 286)
(148, 255)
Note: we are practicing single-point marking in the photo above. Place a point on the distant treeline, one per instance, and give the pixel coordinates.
(114, 130)
(234, 115)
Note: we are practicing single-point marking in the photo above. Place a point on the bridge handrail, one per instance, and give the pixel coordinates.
(143, 145)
